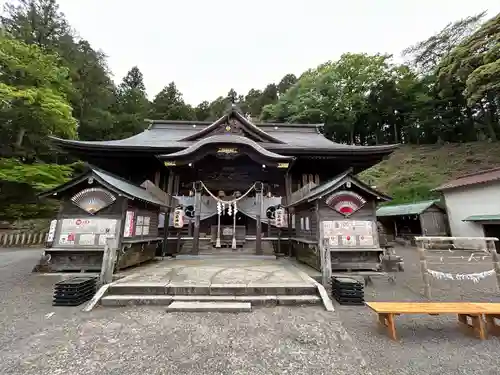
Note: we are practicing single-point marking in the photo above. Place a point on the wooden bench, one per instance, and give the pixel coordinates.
(491, 311)
(388, 310)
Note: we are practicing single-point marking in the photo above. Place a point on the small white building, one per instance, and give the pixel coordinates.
(473, 204)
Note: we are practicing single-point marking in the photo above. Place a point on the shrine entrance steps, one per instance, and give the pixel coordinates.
(215, 285)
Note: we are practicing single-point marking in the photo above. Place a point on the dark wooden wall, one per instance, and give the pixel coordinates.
(303, 214)
(434, 222)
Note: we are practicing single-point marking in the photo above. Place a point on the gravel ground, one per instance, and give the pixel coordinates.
(428, 344)
(37, 338)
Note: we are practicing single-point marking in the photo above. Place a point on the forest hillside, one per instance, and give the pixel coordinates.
(413, 171)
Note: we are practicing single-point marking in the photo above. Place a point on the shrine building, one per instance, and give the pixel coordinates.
(230, 186)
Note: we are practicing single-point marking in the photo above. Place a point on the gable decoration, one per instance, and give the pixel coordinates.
(345, 202)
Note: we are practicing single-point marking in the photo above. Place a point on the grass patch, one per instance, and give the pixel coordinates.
(410, 173)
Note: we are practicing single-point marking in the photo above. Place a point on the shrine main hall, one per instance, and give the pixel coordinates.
(224, 186)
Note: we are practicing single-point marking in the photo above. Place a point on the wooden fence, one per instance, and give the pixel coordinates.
(23, 239)
(483, 254)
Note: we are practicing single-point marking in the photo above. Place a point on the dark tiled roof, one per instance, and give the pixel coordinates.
(164, 136)
(171, 136)
(472, 179)
(114, 183)
(332, 185)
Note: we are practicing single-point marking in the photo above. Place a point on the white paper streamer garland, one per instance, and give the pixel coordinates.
(474, 277)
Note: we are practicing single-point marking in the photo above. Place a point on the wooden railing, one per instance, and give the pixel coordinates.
(23, 239)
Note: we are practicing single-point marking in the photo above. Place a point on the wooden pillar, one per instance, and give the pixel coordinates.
(423, 269)
(197, 213)
(325, 257)
(288, 192)
(258, 202)
(170, 186)
(108, 261)
(490, 245)
(177, 184)
(157, 178)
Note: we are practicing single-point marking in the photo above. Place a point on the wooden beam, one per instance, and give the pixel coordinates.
(108, 261)
(157, 178)
(258, 235)
(170, 186)
(197, 211)
(288, 200)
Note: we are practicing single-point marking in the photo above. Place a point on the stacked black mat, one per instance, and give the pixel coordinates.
(75, 291)
(348, 291)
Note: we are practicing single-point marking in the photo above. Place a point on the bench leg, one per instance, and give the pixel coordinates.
(491, 326)
(477, 326)
(387, 320)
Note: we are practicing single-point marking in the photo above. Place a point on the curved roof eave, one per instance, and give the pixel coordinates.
(240, 118)
(284, 149)
(222, 139)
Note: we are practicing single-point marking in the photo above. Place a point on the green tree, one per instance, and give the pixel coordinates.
(202, 111)
(473, 67)
(132, 106)
(286, 82)
(40, 22)
(33, 97)
(427, 54)
(169, 105)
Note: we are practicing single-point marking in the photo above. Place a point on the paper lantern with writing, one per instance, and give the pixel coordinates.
(178, 217)
(93, 199)
(345, 202)
(280, 217)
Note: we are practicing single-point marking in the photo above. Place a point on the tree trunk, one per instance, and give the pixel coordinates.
(20, 137)
(396, 138)
(491, 130)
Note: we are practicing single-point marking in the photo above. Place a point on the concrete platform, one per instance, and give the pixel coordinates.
(201, 273)
(260, 282)
(209, 307)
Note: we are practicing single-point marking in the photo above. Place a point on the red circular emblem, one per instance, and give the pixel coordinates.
(78, 221)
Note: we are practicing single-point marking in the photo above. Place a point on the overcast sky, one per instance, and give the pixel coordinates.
(209, 47)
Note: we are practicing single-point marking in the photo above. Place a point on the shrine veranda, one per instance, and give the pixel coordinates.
(227, 187)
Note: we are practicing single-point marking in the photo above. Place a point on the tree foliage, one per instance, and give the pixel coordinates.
(169, 104)
(52, 82)
(33, 98)
(132, 105)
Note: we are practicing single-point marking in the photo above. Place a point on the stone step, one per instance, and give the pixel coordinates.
(223, 256)
(127, 300)
(182, 306)
(212, 290)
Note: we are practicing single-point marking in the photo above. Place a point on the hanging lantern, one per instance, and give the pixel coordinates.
(280, 217)
(219, 212)
(178, 217)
